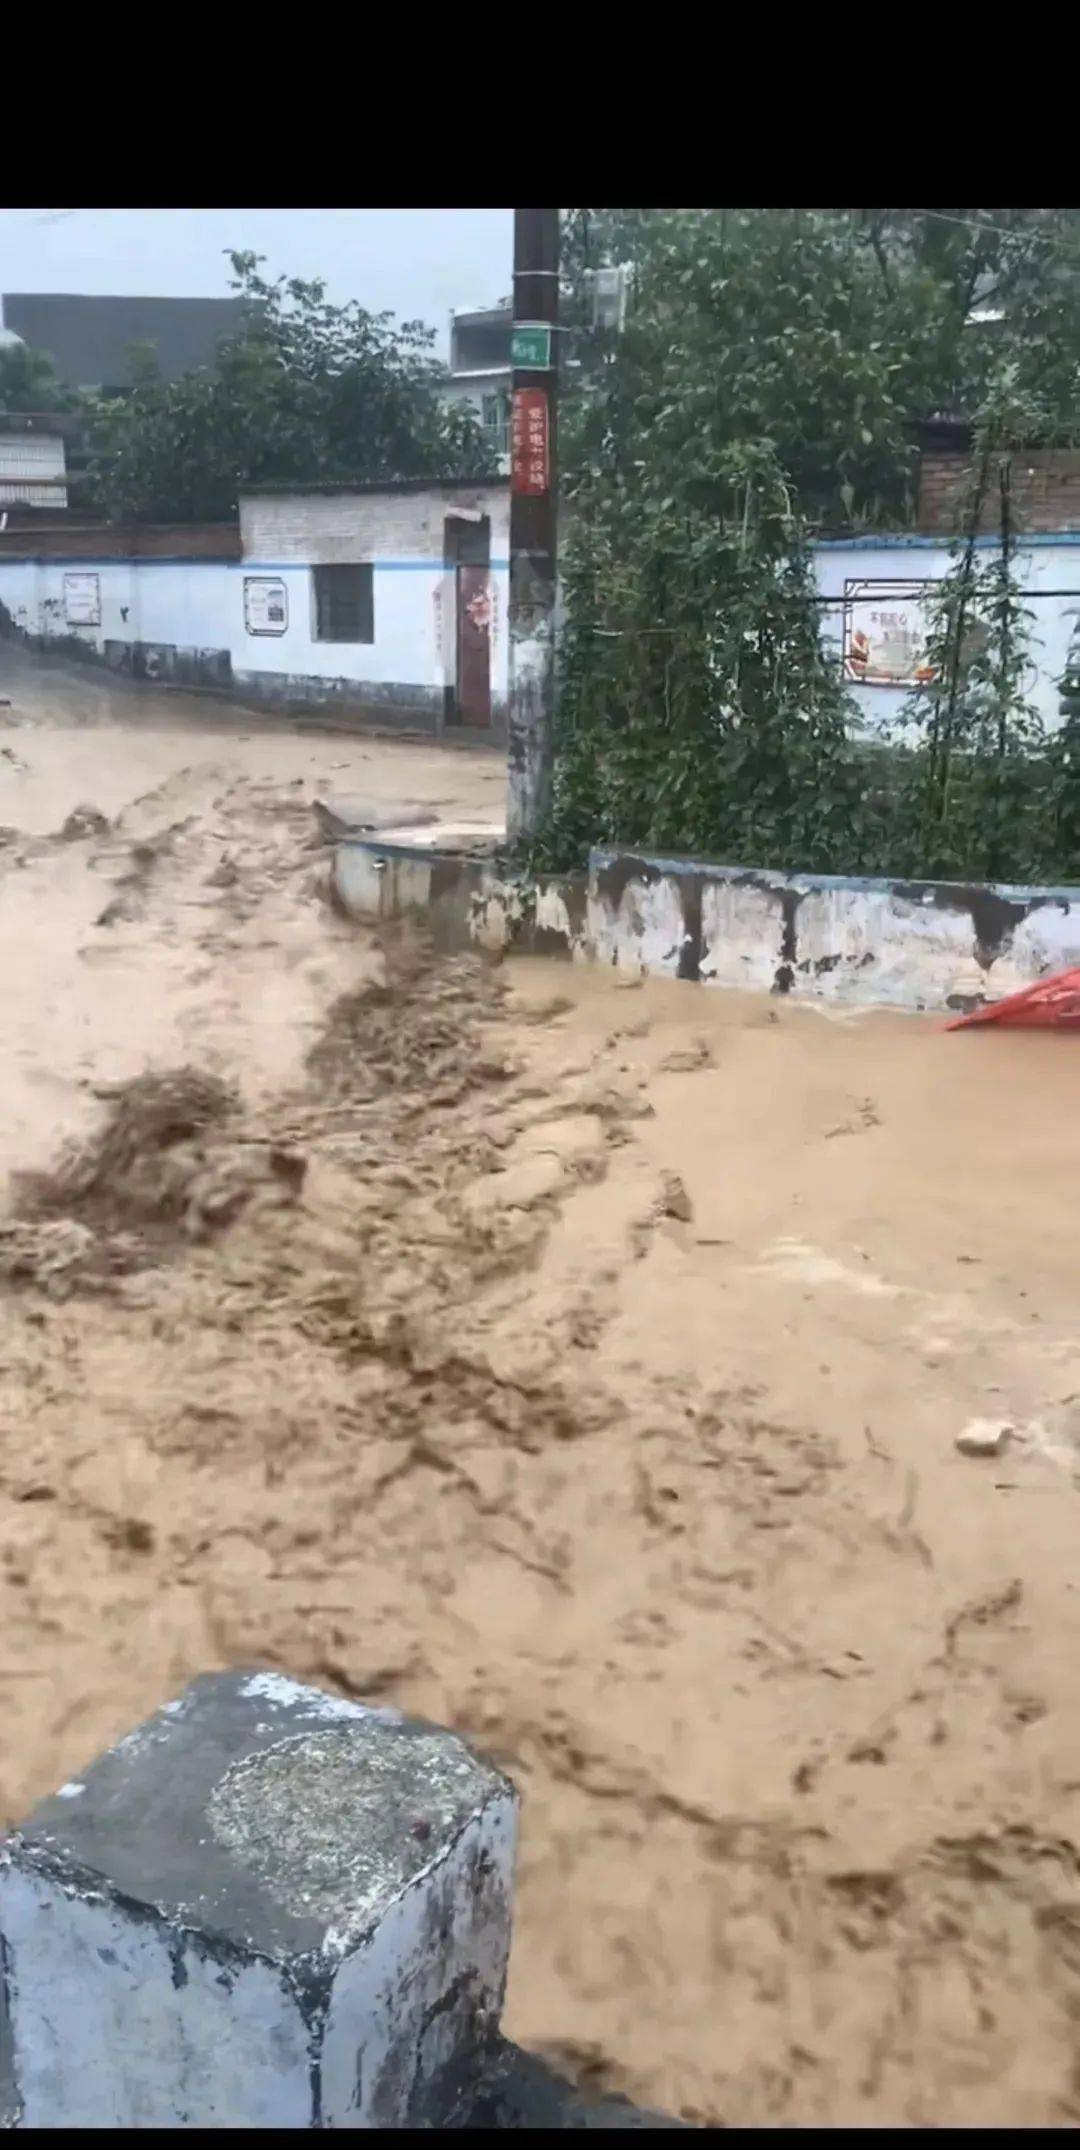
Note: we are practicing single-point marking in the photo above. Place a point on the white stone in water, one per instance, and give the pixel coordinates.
(984, 1437)
(267, 1908)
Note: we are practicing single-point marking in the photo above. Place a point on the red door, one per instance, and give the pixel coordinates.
(473, 645)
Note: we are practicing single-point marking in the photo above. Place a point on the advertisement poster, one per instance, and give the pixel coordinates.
(82, 600)
(266, 605)
(885, 633)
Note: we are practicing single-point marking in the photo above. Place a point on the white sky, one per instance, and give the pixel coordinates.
(417, 263)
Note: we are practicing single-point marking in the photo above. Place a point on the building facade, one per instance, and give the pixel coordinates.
(91, 339)
(386, 603)
(33, 462)
(480, 372)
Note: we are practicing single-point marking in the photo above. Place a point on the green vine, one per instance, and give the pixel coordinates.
(977, 795)
(697, 709)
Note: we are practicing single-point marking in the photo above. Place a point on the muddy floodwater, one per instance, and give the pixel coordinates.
(579, 1364)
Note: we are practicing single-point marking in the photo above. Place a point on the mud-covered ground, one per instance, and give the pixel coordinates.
(579, 1365)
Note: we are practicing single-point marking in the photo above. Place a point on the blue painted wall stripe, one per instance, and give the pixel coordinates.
(900, 540)
(382, 567)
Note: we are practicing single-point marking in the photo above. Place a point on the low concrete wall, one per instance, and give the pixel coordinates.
(910, 944)
(467, 899)
(907, 944)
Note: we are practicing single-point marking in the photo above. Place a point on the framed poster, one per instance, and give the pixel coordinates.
(82, 600)
(885, 633)
(266, 605)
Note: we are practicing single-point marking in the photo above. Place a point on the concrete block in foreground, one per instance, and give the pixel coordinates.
(519, 2090)
(265, 1908)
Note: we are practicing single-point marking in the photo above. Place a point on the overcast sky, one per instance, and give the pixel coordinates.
(417, 263)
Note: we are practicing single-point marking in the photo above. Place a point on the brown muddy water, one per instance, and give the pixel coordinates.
(589, 1379)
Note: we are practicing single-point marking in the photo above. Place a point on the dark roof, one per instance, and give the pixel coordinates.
(374, 485)
(89, 339)
(62, 424)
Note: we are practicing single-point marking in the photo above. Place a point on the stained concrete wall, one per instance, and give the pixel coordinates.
(913, 945)
(905, 944)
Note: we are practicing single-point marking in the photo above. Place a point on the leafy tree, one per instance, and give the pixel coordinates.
(304, 391)
(828, 332)
(697, 709)
(765, 387)
(28, 381)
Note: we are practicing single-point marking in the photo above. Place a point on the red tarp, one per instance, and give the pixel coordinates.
(1053, 1004)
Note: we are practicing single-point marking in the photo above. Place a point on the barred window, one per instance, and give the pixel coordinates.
(344, 603)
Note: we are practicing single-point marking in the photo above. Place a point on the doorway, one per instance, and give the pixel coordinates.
(467, 556)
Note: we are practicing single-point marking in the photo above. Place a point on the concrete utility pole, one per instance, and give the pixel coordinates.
(533, 477)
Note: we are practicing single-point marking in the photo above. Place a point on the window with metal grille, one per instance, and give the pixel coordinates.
(344, 603)
(495, 419)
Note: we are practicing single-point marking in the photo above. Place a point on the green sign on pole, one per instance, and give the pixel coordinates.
(530, 345)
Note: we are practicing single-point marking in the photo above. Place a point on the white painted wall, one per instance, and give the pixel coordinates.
(199, 604)
(414, 643)
(190, 603)
(19, 593)
(1051, 565)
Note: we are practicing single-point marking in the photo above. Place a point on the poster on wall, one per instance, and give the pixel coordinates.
(885, 633)
(483, 610)
(480, 610)
(82, 600)
(266, 605)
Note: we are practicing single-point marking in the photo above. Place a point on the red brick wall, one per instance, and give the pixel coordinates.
(1045, 490)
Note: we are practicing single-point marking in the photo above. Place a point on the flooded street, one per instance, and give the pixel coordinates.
(216, 940)
(578, 1364)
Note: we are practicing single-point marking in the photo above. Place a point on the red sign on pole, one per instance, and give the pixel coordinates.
(529, 463)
